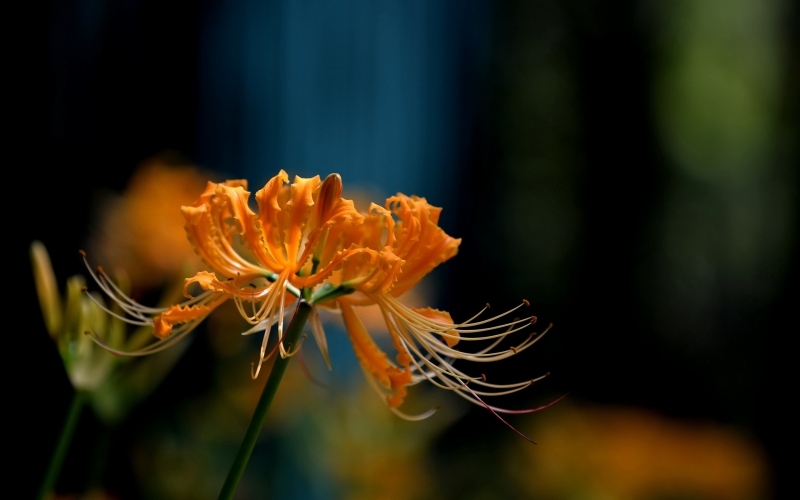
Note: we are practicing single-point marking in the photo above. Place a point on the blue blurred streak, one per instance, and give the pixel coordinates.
(375, 92)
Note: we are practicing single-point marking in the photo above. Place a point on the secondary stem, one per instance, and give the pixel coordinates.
(260, 414)
(67, 431)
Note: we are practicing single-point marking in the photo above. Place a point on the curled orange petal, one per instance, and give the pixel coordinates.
(398, 379)
(420, 241)
(372, 359)
(210, 230)
(163, 323)
(296, 213)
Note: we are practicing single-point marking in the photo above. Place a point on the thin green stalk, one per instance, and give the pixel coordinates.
(260, 414)
(100, 457)
(79, 400)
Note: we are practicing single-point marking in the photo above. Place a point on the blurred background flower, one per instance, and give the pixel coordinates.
(623, 452)
(628, 166)
(140, 231)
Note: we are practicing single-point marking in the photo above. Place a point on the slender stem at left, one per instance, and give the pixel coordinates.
(79, 400)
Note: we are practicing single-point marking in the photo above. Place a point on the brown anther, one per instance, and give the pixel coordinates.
(483, 377)
(84, 289)
(87, 332)
(487, 305)
(251, 285)
(533, 320)
(525, 301)
(513, 349)
(305, 335)
(82, 253)
(100, 270)
(547, 374)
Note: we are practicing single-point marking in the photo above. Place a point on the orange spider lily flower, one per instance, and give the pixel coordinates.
(307, 242)
(395, 257)
(278, 242)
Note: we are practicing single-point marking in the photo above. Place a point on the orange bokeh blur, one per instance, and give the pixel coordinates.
(141, 232)
(630, 453)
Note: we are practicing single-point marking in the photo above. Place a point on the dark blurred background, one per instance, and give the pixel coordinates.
(629, 167)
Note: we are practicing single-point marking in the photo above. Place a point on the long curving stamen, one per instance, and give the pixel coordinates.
(282, 298)
(441, 368)
(307, 372)
(315, 323)
(397, 305)
(472, 399)
(259, 326)
(414, 418)
(533, 410)
(498, 416)
(445, 369)
(290, 352)
(432, 343)
(177, 335)
(481, 356)
(111, 289)
(102, 306)
(374, 384)
(281, 338)
(261, 359)
(411, 317)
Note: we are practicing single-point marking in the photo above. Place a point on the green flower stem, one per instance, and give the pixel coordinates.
(260, 414)
(79, 400)
(100, 457)
(329, 292)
